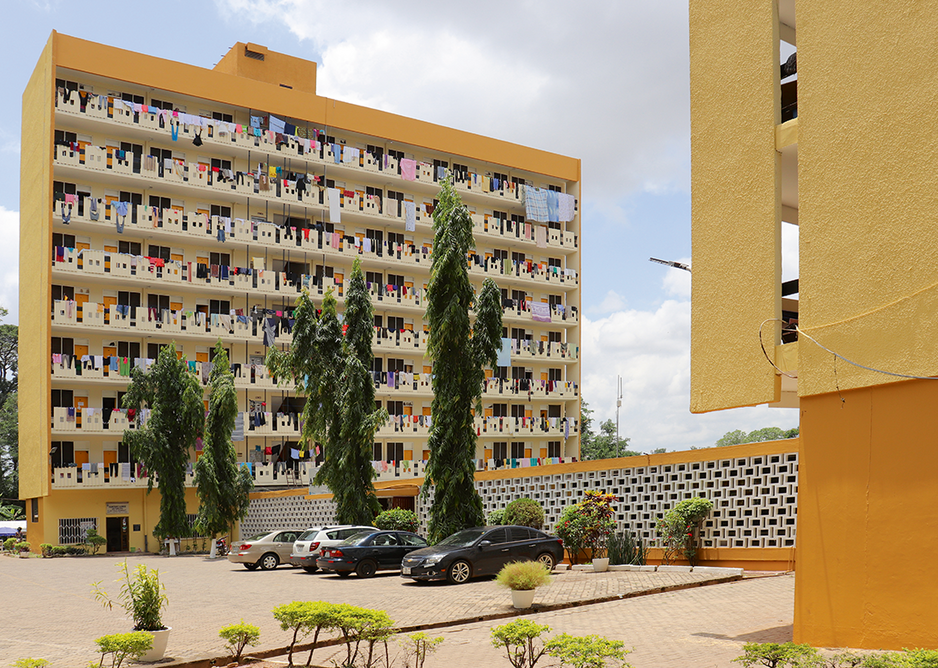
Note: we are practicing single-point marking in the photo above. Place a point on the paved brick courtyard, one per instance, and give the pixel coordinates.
(56, 617)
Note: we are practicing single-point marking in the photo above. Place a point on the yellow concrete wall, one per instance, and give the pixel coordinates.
(144, 510)
(868, 190)
(736, 207)
(220, 86)
(35, 346)
(867, 518)
(277, 68)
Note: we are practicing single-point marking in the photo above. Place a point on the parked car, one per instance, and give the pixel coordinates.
(308, 546)
(266, 550)
(481, 551)
(369, 551)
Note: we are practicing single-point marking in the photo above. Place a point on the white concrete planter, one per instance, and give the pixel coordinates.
(601, 565)
(160, 639)
(522, 598)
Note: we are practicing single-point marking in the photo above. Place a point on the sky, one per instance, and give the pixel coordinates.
(606, 82)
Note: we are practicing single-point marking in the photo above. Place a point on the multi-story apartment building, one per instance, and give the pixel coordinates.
(846, 150)
(166, 202)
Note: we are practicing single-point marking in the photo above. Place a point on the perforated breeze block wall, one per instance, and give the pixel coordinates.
(754, 497)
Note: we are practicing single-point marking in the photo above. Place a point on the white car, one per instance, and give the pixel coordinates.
(308, 546)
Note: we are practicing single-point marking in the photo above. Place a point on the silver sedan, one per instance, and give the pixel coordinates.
(265, 550)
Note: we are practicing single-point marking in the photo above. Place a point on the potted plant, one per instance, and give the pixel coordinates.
(586, 526)
(522, 578)
(142, 596)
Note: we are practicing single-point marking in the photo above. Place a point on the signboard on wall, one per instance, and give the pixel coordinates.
(118, 508)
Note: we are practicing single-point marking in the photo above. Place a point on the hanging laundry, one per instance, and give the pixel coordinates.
(408, 169)
(335, 215)
(410, 216)
(540, 311)
(535, 204)
(504, 355)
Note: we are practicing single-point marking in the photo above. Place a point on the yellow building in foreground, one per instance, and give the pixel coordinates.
(165, 202)
(847, 151)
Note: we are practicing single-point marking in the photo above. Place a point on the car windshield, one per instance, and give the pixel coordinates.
(357, 538)
(464, 538)
(308, 535)
(260, 536)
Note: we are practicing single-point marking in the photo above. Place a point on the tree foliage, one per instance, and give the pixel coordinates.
(9, 448)
(738, 436)
(222, 486)
(460, 351)
(334, 371)
(162, 444)
(604, 444)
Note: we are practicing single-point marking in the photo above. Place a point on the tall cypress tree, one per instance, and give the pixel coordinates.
(459, 351)
(333, 371)
(221, 485)
(176, 419)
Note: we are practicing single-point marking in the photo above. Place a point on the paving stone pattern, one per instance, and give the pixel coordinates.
(57, 618)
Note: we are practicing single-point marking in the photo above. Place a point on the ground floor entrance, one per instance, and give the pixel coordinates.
(118, 534)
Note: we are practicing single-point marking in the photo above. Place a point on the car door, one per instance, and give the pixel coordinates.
(388, 551)
(491, 553)
(283, 545)
(521, 544)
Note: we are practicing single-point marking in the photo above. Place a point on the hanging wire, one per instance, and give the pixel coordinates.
(803, 333)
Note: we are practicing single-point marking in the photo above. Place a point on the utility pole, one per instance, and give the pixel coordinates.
(618, 406)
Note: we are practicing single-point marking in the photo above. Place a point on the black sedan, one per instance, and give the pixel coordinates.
(481, 551)
(367, 552)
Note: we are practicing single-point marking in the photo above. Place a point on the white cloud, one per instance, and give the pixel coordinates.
(613, 301)
(605, 82)
(651, 351)
(9, 264)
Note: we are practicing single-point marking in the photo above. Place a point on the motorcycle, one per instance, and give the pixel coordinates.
(221, 547)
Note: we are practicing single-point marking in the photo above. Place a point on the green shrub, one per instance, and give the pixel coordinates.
(625, 548)
(303, 618)
(9, 543)
(30, 663)
(919, 658)
(523, 575)
(419, 646)
(521, 641)
(397, 519)
(74, 550)
(525, 512)
(239, 636)
(587, 524)
(779, 655)
(362, 625)
(496, 517)
(95, 540)
(124, 646)
(59, 550)
(587, 651)
(678, 528)
(23, 546)
(143, 597)
(46, 549)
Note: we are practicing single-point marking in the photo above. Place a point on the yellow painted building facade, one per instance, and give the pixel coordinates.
(854, 169)
(166, 202)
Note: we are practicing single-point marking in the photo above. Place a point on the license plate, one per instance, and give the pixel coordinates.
(405, 570)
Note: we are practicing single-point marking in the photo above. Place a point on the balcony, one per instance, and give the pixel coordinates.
(126, 475)
(141, 125)
(337, 247)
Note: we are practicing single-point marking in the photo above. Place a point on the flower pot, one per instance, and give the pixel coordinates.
(522, 598)
(160, 638)
(601, 565)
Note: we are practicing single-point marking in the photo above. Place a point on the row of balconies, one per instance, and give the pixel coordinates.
(256, 377)
(116, 320)
(74, 422)
(353, 200)
(249, 143)
(269, 474)
(321, 243)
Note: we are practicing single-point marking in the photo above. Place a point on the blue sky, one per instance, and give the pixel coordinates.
(604, 82)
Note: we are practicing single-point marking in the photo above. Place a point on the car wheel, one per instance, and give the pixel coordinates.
(310, 569)
(269, 561)
(459, 572)
(547, 559)
(366, 569)
(251, 567)
(343, 574)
